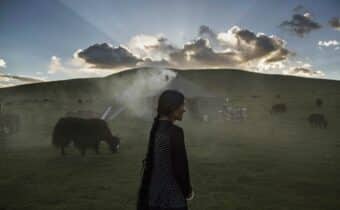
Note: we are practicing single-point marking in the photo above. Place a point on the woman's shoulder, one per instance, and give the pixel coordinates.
(175, 130)
(175, 127)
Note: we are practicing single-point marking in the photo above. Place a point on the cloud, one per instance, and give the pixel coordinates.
(334, 44)
(8, 80)
(13, 80)
(286, 67)
(248, 49)
(105, 56)
(257, 46)
(335, 23)
(55, 65)
(210, 49)
(252, 46)
(76, 68)
(2, 63)
(156, 48)
(328, 43)
(148, 62)
(234, 48)
(207, 33)
(304, 72)
(301, 23)
(200, 54)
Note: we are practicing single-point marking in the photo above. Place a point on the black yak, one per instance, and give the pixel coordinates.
(316, 119)
(277, 108)
(85, 133)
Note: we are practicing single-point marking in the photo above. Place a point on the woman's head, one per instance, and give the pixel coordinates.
(171, 105)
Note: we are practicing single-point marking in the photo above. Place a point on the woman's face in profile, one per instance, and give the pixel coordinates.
(178, 113)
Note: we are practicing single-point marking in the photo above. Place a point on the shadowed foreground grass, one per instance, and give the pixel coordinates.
(270, 170)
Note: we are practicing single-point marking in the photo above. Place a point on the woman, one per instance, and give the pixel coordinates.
(166, 181)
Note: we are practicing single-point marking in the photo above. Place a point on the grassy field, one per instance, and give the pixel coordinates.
(267, 162)
(277, 163)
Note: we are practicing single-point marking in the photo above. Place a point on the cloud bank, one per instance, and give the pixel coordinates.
(14, 80)
(235, 47)
(232, 48)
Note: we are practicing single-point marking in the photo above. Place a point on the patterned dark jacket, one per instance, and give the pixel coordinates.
(169, 177)
(170, 183)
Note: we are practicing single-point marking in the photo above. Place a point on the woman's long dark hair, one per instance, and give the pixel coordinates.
(168, 101)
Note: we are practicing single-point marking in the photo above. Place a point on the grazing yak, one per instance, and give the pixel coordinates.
(317, 120)
(277, 108)
(85, 133)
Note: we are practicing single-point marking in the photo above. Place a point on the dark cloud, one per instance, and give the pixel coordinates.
(246, 35)
(279, 55)
(207, 33)
(300, 24)
(199, 53)
(335, 23)
(205, 30)
(105, 56)
(260, 46)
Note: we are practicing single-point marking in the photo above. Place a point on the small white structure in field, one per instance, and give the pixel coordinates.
(205, 118)
(244, 112)
(234, 113)
(117, 112)
(106, 112)
(228, 112)
(226, 100)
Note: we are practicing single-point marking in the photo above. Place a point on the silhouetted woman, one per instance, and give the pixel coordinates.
(166, 180)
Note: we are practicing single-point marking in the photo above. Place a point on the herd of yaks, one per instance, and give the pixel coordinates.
(240, 113)
(315, 119)
(88, 133)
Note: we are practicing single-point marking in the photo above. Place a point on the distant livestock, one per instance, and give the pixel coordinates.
(9, 124)
(85, 133)
(278, 108)
(317, 120)
(318, 102)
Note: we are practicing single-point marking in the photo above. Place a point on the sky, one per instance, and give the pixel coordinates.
(63, 39)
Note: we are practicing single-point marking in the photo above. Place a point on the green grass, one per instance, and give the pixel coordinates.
(241, 166)
(266, 162)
